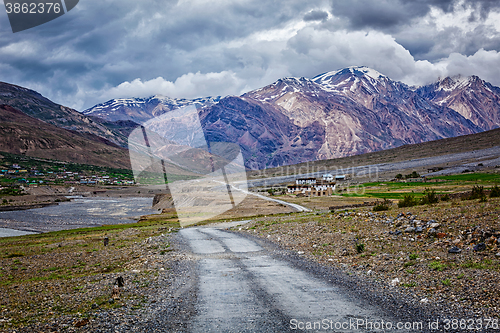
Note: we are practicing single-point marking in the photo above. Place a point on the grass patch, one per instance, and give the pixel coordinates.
(446, 282)
(437, 266)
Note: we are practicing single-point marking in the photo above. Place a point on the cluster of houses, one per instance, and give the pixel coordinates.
(315, 187)
(36, 176)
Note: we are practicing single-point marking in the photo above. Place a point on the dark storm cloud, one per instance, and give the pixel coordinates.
(316, 15)
(190, 48)
(390, 14)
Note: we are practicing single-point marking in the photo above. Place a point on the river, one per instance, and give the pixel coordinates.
(78, 213)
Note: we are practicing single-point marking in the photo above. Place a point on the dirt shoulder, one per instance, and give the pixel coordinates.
(405, 249)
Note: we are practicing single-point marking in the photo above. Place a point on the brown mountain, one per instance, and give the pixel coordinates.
(35, 105)
(342, 113)
(475, 99)
(23, 134)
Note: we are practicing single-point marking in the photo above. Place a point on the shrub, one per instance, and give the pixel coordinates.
(495, 192)
(399, 176)
(414, 174)
(384, 205)
(429, 197)
(446, 282)
(360, 247)
(408, 201)
(476, 193)
(445, 197)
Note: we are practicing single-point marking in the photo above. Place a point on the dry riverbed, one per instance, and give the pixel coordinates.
(405, 249)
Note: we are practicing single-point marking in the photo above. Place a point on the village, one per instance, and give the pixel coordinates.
(324, 186)
(14, 175)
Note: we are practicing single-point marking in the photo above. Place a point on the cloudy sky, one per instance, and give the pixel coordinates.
(104, 49)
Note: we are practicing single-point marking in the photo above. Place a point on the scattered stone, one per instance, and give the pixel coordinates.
(424, 300)
(120, 282)
(479, 247)
(395, 282)
(81, 323)
(454, 250)
(116, 292)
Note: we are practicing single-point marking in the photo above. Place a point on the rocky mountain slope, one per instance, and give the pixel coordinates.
(347, 112)
(23, 134)
(140, 110)
(35, 105)
(475, 99)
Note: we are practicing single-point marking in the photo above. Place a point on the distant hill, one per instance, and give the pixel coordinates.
(23, 134)
(35, 105)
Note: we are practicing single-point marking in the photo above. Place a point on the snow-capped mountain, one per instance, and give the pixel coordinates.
(350, 111)
(140, 110)
(475, 99)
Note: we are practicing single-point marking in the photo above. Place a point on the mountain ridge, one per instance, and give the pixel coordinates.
(346, 112)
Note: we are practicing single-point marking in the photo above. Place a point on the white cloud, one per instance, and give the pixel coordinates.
(189, 85)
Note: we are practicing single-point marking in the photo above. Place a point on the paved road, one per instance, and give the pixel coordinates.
(242, 287)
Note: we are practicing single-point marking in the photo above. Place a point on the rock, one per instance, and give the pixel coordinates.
(370, 272)
(497, 255)
(454, 250)
(479, 247)
(119, 281)
(418, 229)
(116, 292)
(434, 225)
(345, 252)
(424, 300)
(395, 282)
(440, 235)
(106, 241)
(410, 229)
(300, 252)
(432, 231)
(81, 323)
(95, 306)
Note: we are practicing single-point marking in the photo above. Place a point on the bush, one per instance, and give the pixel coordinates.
(360, 247)
(414, 174)
(408, 201)
(495, 192)
(476, 193)
(399, 176)
(384, 205)
(445, 197)
(429, 197)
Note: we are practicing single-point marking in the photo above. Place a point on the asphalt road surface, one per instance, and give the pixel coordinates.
(244, 287)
